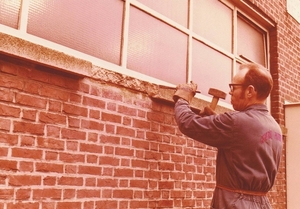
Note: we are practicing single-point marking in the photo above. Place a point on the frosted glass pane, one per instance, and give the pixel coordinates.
(213, 21)
(9, 12)
(210, 69)
(176, 10)
(251, 43)
(156, 49)
(92, 27)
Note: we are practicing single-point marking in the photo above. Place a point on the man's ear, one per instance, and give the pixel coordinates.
(251, 91)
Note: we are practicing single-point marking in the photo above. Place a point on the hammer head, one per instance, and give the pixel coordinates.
(217, 93)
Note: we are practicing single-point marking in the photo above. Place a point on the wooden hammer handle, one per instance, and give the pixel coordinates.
(214, 103)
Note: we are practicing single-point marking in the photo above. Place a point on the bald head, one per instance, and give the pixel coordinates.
(259, 77)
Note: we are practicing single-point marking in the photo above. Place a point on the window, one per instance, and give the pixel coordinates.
(92, 27)
(168, 41)
(155, 48)
(251, 41)
(9, 13)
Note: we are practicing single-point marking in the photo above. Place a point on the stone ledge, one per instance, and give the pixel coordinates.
(38, 54)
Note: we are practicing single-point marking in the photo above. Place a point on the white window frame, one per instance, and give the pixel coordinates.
(238, 6)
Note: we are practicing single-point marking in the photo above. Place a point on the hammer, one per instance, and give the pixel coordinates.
(217, 94)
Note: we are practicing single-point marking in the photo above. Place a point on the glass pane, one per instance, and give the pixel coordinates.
(210, 69)
(213, 21)
(176, 10)
(92, 27)
(156, 49)
(250, 42)
(9, 12)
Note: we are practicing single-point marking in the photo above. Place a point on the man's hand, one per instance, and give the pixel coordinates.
(185, 91)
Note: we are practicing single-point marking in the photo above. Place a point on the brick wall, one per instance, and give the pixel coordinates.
(70, 141)
(73, 142)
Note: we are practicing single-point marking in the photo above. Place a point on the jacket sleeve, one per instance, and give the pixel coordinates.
(214, 130)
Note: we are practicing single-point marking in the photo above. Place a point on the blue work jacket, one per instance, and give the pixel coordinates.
(249, 147)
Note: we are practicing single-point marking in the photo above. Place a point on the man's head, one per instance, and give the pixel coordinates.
(253, 85)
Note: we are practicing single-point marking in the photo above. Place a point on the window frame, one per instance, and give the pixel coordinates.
(238, 6)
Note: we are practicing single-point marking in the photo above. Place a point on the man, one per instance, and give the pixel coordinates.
(249, 140)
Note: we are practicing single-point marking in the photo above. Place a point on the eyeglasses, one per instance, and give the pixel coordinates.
(232, 85)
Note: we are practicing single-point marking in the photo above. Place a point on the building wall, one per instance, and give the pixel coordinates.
(99, 141)
(75, 142)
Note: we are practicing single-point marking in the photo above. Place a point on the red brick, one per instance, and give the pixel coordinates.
(92, 170)
(69, 194)
(109, 160)
(5, 124)
(123, 131)
(48, 205)
(9, 111)
(141, 124)
(29, 114)
(23, 205)
(127, 110)
(50, 143)
(166, 185)
(11, 82)
(49, 180)
(53, 131)
(106, 204)
(107, 182)
(124, 151)
(71, 158)
(26, 127)
(23, 194)
(88, 193)
(92, 148)
(111, 117)
(24, 180)
(65, 205)
(27, 153)
(91, 182)
(54, 93)
(165, 204)
(123, 193)
(75, 98)
(26, 166)
(139, 204)
(3, 151)
(92, 125)
(6, 95)
(110, 139)
(51, 118)
(94, 114)
(53, 194)
(73, 122)
(75, 110)
(139, 163)
(6, 194)
(73, 134)
(119, 172)
(8, 139)
(31, 101)
(112, 94)
(49, 167)
(139, 184)
(71, 181)
(91, 102)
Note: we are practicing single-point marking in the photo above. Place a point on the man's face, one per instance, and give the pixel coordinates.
(239, 100)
